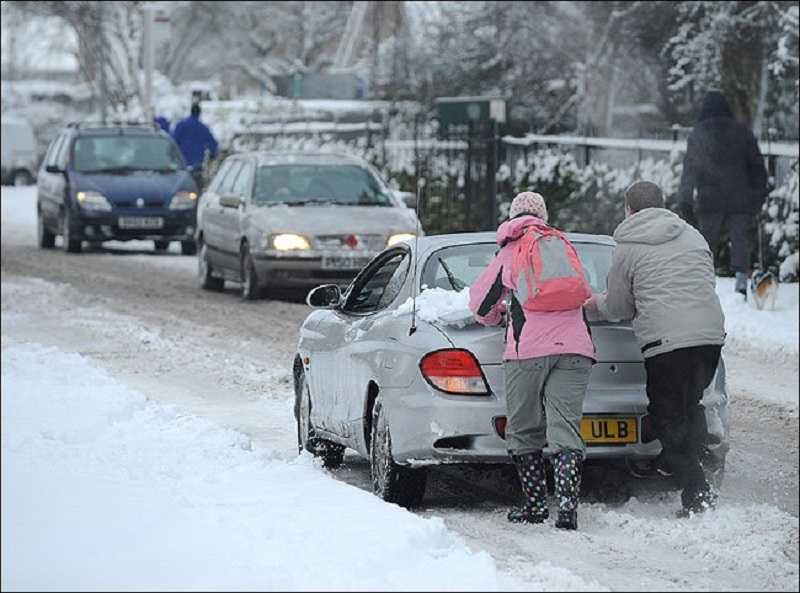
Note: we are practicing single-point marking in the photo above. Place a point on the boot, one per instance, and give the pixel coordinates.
(567, 473)
(741, 284)
(699, 501)
(530, 468)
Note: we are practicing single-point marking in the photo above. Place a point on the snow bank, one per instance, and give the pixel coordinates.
(103, 489)
(437, 305)
(771, 335)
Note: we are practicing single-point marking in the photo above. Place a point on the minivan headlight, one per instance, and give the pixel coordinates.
(288, 242)
(399, 237)
(183, 200)
(93, 200)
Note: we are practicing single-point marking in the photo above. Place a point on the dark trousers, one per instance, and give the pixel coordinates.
(675, 384)
(738, 230)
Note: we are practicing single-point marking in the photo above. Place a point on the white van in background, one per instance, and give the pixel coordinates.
(18, 157)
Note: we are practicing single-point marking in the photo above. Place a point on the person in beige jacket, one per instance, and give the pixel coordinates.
(662, 278)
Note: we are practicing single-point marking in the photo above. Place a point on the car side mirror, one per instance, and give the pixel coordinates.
(327, 296)
(230, 201)
(53, 169)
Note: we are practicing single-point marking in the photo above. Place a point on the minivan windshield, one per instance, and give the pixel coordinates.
(125, 153)
(454, 268)
(299, 185)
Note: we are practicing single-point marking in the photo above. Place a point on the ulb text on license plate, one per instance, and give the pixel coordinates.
(608, 430)
(141, 222)
(344, 262)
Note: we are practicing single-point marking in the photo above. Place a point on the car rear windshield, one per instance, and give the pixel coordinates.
(453, 268)
(343, 185)
(124, 153)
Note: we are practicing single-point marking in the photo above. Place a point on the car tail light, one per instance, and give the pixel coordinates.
(500, 426)
(454, 371)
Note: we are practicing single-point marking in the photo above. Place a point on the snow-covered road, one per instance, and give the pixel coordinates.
(148, 442)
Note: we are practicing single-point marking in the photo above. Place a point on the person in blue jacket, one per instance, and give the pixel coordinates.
(162, 122)
(194, 138)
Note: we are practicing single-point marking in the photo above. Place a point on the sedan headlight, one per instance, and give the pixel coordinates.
(183, 200)
(93, 200)
(399, 237)
(288, 242)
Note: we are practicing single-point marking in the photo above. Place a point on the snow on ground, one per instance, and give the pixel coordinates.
(103, 489)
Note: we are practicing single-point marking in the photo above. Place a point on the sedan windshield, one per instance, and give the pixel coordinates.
(341, 185)
(454, 268)
(125, 153)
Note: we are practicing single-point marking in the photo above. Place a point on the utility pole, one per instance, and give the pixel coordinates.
(148, 59)
(100, 67)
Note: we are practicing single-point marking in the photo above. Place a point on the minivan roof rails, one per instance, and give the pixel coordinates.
(80, 125)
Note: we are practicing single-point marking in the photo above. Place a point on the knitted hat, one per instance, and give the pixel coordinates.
(528, 202)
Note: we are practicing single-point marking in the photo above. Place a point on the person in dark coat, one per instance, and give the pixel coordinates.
(724, 164)
(194, 138)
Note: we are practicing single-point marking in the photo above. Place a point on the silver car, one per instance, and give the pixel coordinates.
(407, 393)
(295, 220)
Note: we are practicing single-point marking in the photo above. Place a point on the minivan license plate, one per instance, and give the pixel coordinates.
(608, 430)
(338, 262)
(141, 222)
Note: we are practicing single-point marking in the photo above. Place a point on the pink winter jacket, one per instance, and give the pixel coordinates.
(530, 334)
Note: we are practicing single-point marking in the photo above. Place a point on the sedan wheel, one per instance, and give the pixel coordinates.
(250, 287)
(47, 240)
(332, 454)
(207, 281)
(390, 481)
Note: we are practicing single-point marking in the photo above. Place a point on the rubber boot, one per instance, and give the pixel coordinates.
(567, 466)
(699, 501)
(530, 468)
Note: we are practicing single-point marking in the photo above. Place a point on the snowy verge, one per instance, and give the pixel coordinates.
(103, 489)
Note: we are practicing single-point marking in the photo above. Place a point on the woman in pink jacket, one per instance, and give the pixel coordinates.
(547, 361)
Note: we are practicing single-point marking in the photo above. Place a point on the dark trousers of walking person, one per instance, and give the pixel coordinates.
(739, 228)
(675, 384)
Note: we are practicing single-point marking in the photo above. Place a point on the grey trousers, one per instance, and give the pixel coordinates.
(739, 229)
(544, 397)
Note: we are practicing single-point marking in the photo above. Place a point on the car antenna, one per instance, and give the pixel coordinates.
(420, 185)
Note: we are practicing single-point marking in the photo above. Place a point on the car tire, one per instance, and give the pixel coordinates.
(251, 290)
(161, 245)
(21, 178)
(332, 454)
(205, 274)
(390, 481)
(189, 247)
(70, 245)
(46, 239)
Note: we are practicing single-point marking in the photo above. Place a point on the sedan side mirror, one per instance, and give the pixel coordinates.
(230, 201)
(327, 296)
(53, 169)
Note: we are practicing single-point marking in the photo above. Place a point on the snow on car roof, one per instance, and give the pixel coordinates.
(433, 242)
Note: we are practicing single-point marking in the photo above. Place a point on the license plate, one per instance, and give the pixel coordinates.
(141, 222)
(346, 262)
(600, 430)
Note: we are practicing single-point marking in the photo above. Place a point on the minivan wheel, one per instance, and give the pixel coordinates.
(161, 245)
(70, 245)
(390, 481)
(250, 287)
(188, 247)
(332, 454)
(47, 240)
(207, 281)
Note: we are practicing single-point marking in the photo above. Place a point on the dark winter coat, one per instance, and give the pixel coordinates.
(662, 277)
(193, 138)
(723, 162)
(163, 123)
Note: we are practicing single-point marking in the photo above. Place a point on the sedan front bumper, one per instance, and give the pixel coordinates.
(306, 271)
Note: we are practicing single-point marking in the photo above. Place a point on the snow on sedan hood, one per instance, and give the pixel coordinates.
(334, 220)
(437, 305)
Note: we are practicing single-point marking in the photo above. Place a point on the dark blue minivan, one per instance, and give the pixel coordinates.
(115, 183)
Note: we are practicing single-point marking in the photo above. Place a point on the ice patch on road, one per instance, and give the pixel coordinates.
(437, 305)
(103, 489)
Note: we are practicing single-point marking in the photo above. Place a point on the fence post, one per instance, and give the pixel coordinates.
(675, 128)
(586, 154)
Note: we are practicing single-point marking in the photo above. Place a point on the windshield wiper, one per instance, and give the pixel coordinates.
(457, 284)
(120, 169)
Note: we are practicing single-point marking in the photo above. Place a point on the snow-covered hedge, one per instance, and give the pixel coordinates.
(781, 226)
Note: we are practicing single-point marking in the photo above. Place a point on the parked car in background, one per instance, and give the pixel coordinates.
(115, 182)
(295, 221)
(407, 395)
(18, 158)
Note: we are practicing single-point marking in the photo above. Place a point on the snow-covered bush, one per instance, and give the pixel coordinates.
(781, 226)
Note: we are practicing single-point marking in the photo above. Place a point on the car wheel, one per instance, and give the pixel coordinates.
(70, 245)
(161, 245)
(250, 287)
(188, 247)
(204, 273)
(332, 454)
(21, 178)
(390, 481)
(47, 240)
